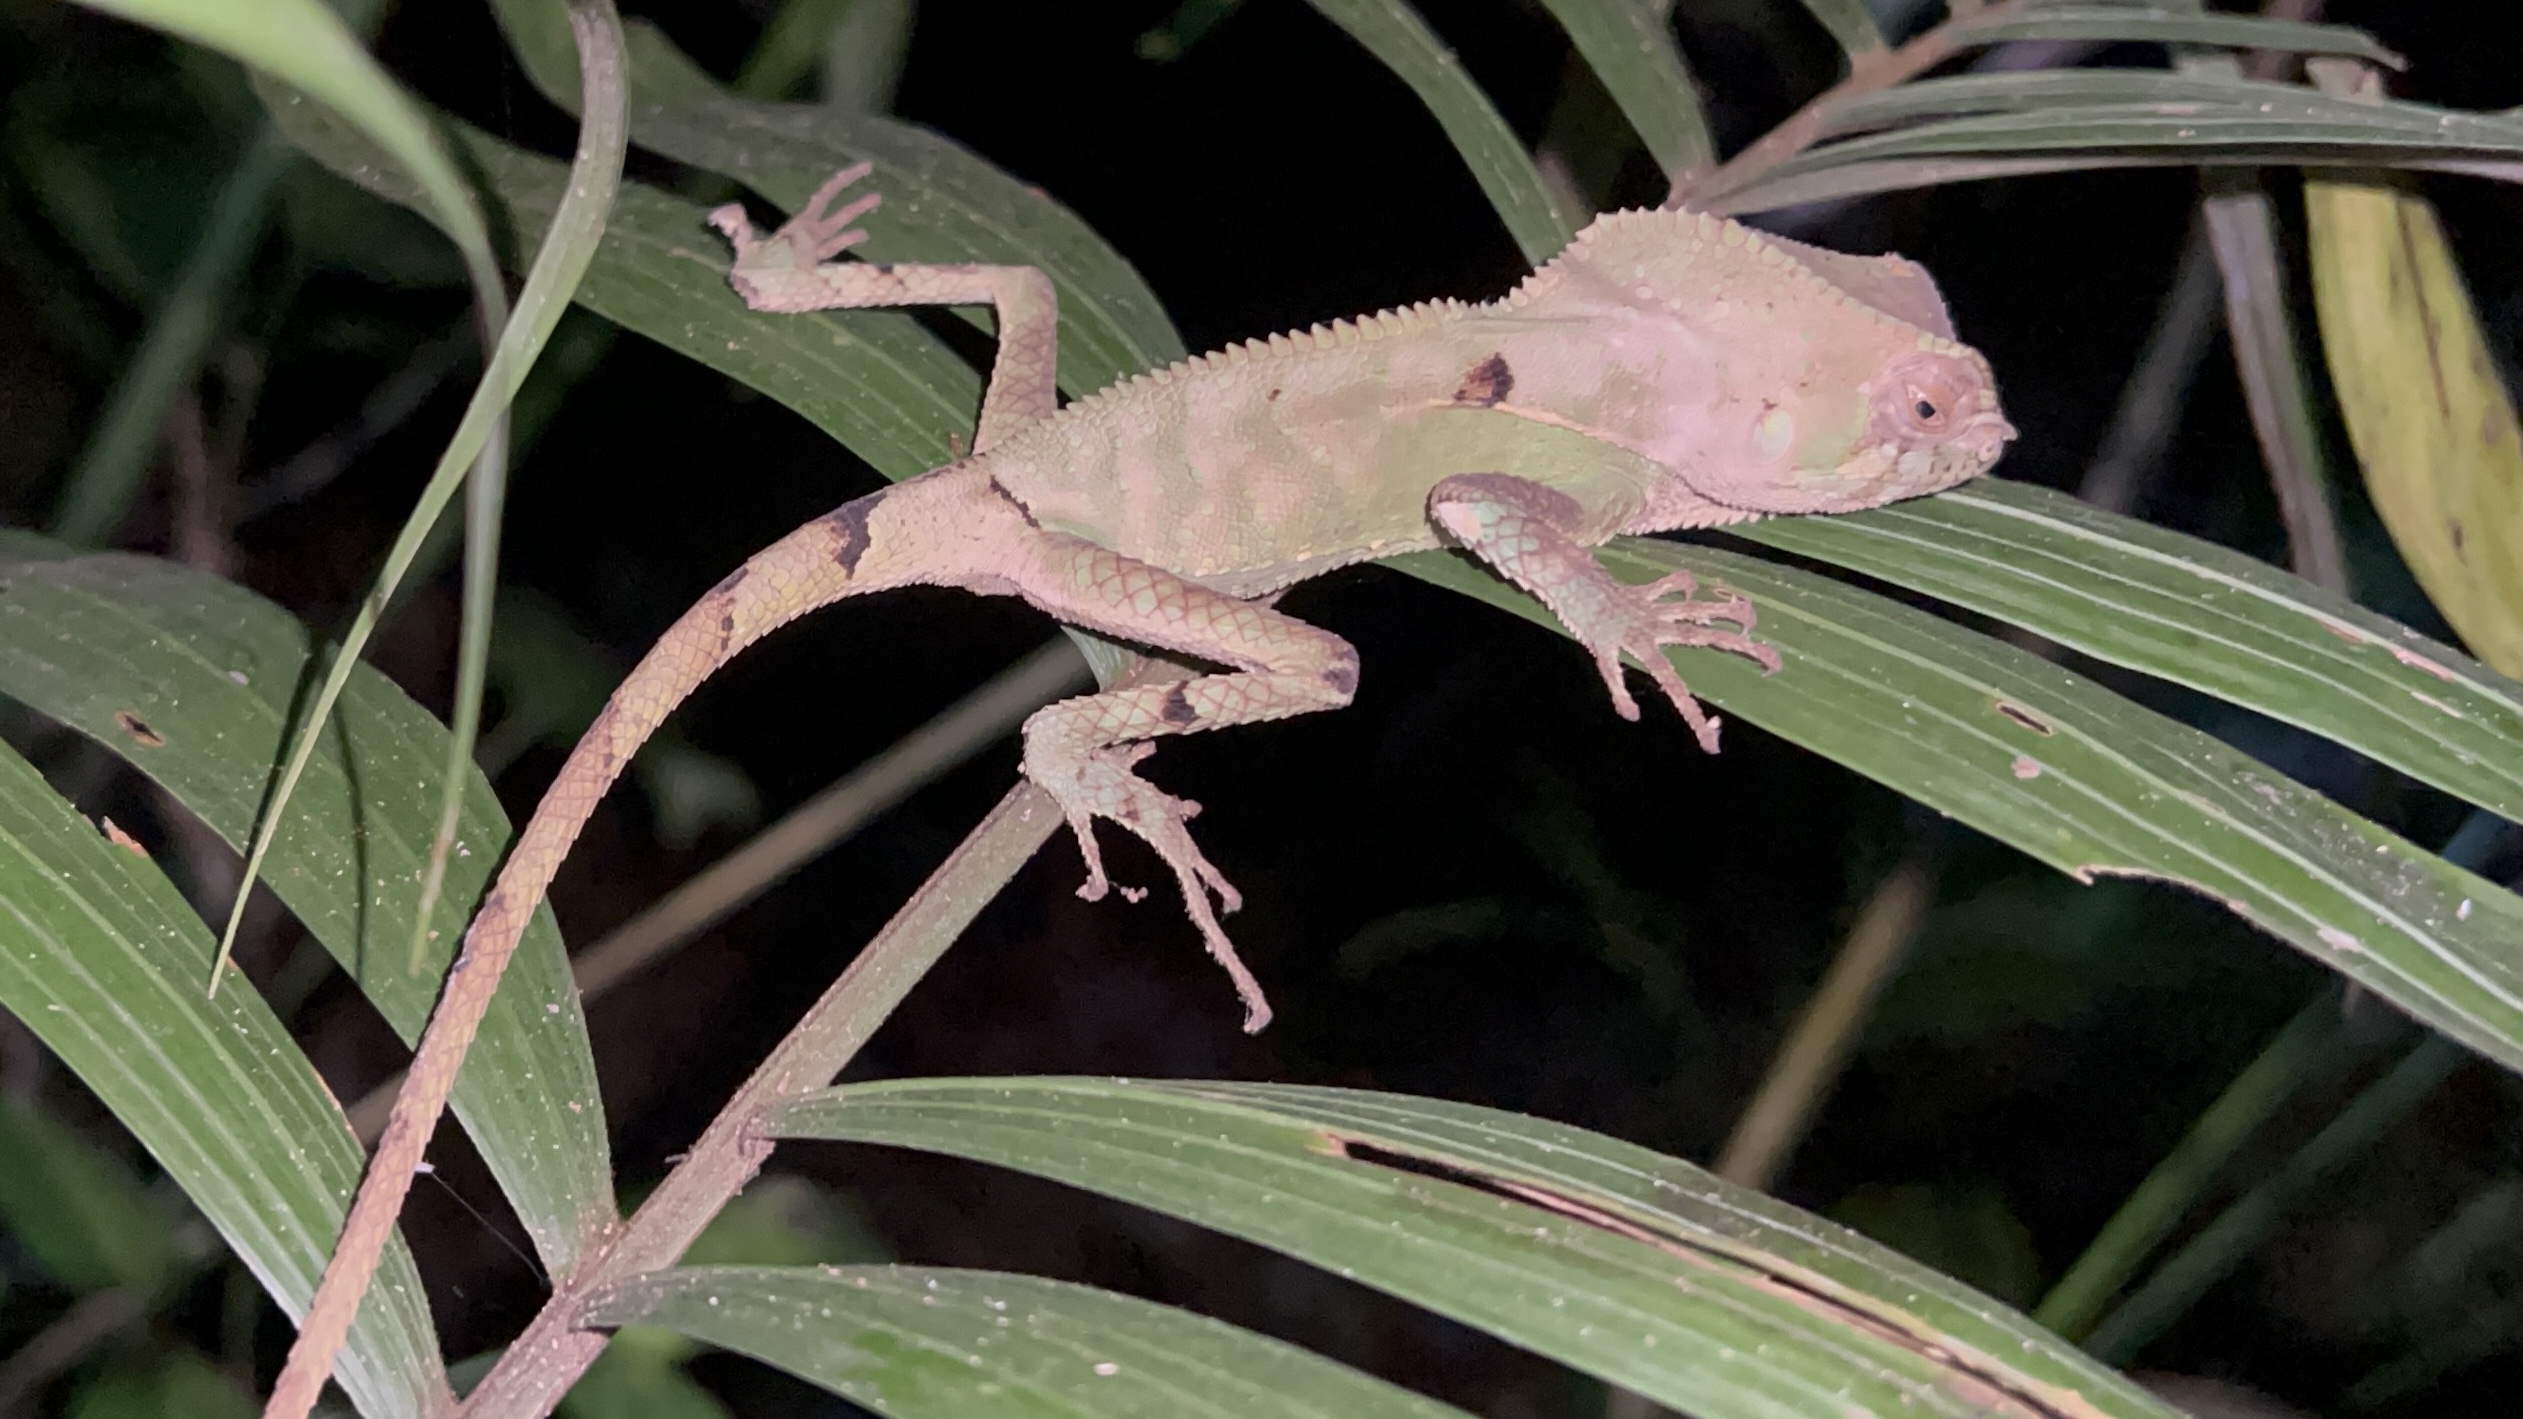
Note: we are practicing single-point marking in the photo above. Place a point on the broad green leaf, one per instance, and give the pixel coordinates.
(874, 380)
(1630, 48)
(1393, 32)
(2194, 613)
(191, 680)
(941, 202)
(2122, 24)
(2425, 405)
(1852, 26)
(923, 1343)
(104, 962)
(2092, 783)
(1636, 1268)
(77, 1209)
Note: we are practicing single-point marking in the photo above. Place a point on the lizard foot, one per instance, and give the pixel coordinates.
(1643, 622)
(1099, 783)
(811, 236)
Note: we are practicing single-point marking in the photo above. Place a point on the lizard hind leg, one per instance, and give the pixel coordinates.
(1084, 751)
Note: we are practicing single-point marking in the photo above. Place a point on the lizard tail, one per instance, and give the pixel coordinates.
(906, 534)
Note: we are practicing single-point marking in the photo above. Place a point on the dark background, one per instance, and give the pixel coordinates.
(1477, 883)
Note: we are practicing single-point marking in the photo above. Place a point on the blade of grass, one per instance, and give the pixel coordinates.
(569, 246)
(2179, 1283)
(2305, 1049)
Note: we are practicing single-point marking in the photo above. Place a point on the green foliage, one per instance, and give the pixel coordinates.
(1632, 1267)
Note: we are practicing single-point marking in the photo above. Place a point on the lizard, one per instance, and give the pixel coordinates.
(1669, 369)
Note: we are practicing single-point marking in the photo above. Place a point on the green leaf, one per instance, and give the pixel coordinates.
(2126, 24)
(923, 1343)
(2196, 614)
(2073, 120)
(191, 680)
(2092, 783)
(941, 202)
(1636, 1268)
(479, 445)
(77, 1209)
(1630, 48)
(876, 381)
(1393, 32)
(104, 962)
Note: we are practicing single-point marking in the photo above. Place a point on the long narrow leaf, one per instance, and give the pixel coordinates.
(2126, 24)
(1630, 48)
(2196, 614)
(941, 202)
(1393, 32)
(2093, 784)
(2023, 124)
(191, 680)
(1638, 1269)
(921, 1343)
(2426, 407)
(103, 961)
(876, 381)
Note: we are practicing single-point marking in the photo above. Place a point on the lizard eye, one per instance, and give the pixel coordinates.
(1925, 410)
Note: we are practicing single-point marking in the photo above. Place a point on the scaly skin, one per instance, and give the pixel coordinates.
(1668, 370)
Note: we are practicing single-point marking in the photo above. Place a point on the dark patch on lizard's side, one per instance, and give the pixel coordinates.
(849, 533)
(731, 581)
(1486, 384)
(1341, 676)
(1177, 710)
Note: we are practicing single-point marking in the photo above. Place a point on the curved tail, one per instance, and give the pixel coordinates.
(909, 533)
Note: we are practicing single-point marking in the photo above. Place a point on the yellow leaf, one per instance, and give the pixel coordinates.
(2431, 421)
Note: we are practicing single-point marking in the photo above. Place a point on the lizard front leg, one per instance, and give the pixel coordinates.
(1528, 533)
(791, 272)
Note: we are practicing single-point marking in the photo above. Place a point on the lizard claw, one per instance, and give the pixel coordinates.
(808, 238)
(1643, 623)
(1099, 783)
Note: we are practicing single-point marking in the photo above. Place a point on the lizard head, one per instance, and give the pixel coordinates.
(1770, 376)
(1869, 423)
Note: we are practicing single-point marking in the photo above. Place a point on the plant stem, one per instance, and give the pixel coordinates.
(543, 1362)
(2150, 1213)
(2180, 1282)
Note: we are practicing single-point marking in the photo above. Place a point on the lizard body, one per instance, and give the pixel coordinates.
(1669, 370)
